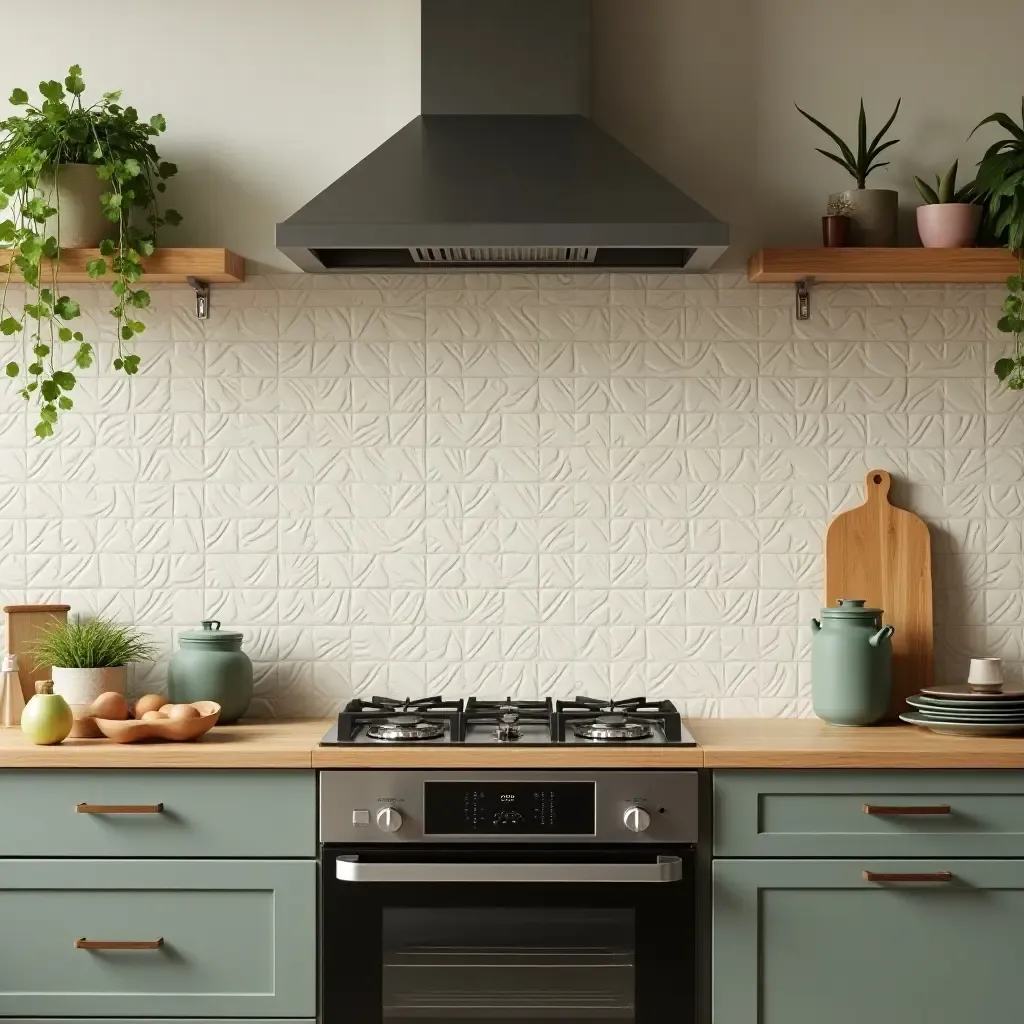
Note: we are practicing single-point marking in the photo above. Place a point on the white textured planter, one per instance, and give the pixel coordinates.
(81, 686)
(80, 217)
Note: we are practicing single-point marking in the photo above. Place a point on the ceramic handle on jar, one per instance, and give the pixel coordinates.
(815, 626)
(882, 635)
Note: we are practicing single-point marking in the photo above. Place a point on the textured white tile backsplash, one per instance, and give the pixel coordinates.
(518, 484)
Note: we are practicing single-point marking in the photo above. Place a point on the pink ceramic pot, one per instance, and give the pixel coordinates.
(948, 225)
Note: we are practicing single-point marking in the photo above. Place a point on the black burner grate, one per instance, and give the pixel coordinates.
(584, 710)
(359, 714)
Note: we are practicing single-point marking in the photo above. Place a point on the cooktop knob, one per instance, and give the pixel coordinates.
(636, 819)
(389, 820)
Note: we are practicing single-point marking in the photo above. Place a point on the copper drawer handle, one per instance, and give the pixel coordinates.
(119, 808)
(885, 809)
(116, 944)
(918, 876)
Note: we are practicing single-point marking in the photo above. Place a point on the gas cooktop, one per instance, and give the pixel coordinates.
(534, 723)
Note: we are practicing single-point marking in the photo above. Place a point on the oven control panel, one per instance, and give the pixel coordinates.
(489, 806)
(506, 808)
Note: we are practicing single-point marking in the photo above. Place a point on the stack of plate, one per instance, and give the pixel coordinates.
(962, 711)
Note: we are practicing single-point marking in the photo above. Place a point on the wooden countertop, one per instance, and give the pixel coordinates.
(723, 743)
(254, 744)
(809, 743)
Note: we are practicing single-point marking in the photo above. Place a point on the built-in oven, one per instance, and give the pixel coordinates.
(486, 896)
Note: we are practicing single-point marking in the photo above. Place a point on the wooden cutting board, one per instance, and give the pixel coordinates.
(883, 554)
(24, 623)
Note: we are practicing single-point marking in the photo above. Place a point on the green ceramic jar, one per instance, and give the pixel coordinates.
(851, 664)
(211, 665)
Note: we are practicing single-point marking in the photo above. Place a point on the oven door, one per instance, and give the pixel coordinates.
(518, 933)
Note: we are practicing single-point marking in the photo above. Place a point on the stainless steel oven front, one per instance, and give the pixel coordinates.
(508, 896)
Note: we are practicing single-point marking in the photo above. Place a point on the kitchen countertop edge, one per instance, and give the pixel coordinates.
(751, 743)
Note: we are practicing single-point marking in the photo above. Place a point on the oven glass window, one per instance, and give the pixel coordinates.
(509, 963)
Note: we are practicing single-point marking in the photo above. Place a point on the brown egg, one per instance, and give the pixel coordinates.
(166, 709)
(109, 705)
(151, 702)
(154, 716)
(182, 712)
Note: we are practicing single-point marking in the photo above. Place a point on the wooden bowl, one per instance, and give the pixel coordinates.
(132, 731)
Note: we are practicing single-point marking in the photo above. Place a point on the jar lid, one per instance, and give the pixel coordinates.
(211, 633)
(851, 608)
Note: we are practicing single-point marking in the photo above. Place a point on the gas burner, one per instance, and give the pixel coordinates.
(401, 728)
(613, 728)
(508, 726)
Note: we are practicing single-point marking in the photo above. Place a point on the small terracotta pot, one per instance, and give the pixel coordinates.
(835, 230)
(948, 225)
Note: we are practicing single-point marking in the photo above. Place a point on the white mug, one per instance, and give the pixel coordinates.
(985, 674)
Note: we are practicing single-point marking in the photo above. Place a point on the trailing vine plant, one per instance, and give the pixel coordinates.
(34, 146)
(1000, 186)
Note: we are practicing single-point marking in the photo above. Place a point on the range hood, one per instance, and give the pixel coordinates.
(503, 169)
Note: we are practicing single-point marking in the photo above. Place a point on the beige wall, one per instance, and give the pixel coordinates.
(267, 102)
(705, 92)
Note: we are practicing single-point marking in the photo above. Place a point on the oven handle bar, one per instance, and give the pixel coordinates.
(665, 869)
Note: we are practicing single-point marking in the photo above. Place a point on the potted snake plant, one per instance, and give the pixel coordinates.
(873, 212)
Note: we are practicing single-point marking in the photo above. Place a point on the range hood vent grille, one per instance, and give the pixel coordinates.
(518, 254)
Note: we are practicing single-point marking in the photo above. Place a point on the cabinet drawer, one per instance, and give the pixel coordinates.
(157, 813)
(801, 941)
(223, 938)
(880, 814)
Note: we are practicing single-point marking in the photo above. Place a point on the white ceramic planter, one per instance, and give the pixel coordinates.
(948, 225)
(80, 217)
(81, 686)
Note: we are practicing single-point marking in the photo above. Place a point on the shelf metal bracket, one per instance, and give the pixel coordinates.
(202, 290)
(803, 298)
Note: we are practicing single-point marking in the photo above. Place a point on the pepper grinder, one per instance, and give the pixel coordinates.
(12, 700)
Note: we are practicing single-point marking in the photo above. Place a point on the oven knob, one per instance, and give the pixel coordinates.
(636, 819)
(389, 820)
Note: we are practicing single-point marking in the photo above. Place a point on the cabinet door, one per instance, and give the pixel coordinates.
(806, 941)
(152, 938)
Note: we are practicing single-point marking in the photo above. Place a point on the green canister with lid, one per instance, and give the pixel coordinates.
(851, 664)
(211, 665)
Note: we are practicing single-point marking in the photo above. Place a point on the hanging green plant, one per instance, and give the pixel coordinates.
(37, 147)
(1000, 186)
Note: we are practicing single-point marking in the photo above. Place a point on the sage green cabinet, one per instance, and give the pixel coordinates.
(806, 941)
(825, 814)
(227, 938)
(156, 813)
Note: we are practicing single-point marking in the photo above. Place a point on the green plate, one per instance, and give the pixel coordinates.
(953, 716)
(968, 714)
(963, 728)
(921, 701)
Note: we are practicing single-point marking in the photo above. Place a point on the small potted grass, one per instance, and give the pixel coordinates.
(88, 657)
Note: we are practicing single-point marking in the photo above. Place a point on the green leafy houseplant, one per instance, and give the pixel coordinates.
(945, 190)
(91, 643)
(1000, 186)
(860, 164)
(35, 144)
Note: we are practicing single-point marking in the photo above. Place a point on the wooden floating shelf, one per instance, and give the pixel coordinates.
(882, 266)
(165, 266)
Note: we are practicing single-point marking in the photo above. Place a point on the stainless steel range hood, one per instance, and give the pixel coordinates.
(503, 169)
